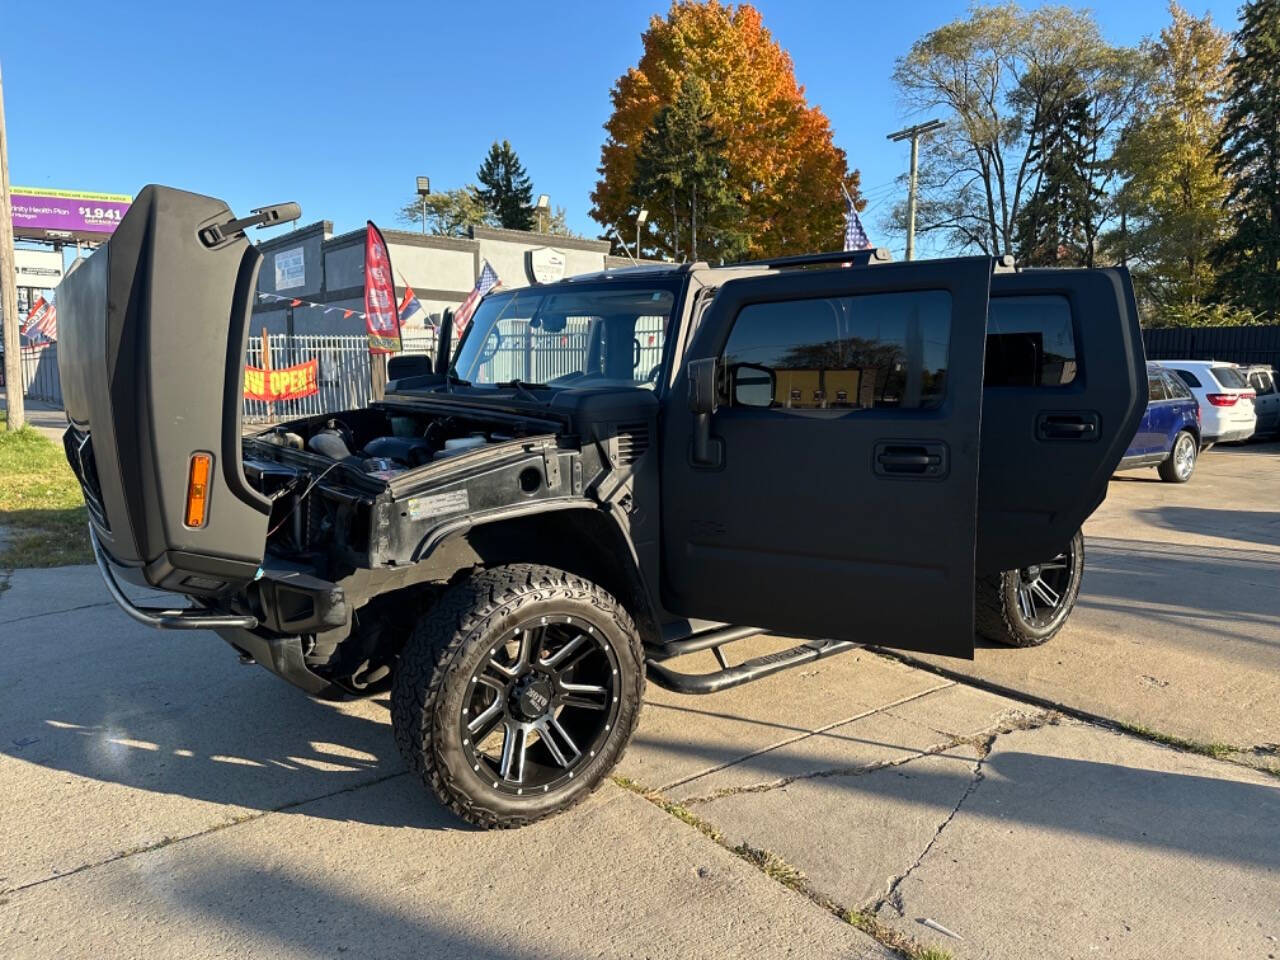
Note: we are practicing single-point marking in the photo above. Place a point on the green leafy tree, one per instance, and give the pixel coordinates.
(505, 188)
(682, 170)
(555, 225)
(449, 214)
(1001, 77)
(1249, 259)
(1173, 196)
(1051, 226)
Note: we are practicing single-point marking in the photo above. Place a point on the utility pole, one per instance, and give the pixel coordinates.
(16, 410)
(914, 134)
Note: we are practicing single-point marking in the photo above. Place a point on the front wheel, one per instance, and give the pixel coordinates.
(1025, 608)
(1181, 462)
(517, 693)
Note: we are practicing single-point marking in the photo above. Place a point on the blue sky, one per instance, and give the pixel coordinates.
(339, 105)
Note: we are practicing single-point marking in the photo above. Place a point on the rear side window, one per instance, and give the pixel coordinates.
(1261, 382)
(1229, 377)
(1187, 377)
(1156, 390)
(860, 352)
(1030, 342)
(1177, 389)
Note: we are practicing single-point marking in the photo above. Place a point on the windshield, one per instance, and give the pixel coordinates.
(612, 335)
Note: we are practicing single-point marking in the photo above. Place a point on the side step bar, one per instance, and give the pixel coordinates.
(754, 669)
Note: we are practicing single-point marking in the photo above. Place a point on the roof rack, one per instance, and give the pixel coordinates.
(857, 258)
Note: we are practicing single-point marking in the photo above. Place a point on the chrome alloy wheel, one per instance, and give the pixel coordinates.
(540, 705)
(1184, 456)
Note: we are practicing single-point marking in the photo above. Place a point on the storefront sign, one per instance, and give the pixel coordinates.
(40, 214)
(545, 265)
(38, 269)
(291, 269)
(286, 383)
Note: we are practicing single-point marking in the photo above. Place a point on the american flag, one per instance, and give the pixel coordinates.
(487, 281)
(41, 322)
(855, 238)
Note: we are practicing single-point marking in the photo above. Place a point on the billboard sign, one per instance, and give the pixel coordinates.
(40, 214)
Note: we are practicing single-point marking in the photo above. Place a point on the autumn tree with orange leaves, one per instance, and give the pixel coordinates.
(782, 170)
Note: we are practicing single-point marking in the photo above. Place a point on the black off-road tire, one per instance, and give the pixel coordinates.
(433, 675)
(1181, 462)
(999, 616)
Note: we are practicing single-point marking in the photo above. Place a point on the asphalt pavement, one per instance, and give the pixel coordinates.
(162, 800)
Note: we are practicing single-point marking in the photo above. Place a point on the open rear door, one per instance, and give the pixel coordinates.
(1066, 387)
(151, 350)
(832, 491)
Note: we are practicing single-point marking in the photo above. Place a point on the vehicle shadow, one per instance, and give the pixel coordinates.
(1246, 526)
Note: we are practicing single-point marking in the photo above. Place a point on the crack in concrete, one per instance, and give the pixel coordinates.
(170, 841)
(851, 771)
(1008, 722)
(54, 613)
(802, 735)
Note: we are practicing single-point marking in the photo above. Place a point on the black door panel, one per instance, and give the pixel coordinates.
(1066, 390)
(847, 508)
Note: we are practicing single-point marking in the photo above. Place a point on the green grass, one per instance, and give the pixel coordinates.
(1215, 748)
(42, 516)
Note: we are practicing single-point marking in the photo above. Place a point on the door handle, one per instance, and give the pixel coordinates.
(1074, 425)
(911, 458)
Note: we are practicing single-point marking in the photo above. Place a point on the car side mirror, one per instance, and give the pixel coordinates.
(703, 396)
(752, 385)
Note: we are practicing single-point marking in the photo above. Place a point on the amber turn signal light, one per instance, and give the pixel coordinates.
(198, 489)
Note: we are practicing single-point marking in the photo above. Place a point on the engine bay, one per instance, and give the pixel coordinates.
(385, 442)
(378, 444)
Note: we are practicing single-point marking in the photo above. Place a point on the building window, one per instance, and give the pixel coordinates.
(858, 352)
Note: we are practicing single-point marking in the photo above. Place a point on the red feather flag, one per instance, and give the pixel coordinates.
(381, 319)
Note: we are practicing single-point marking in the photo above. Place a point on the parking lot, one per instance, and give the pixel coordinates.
(163, 801)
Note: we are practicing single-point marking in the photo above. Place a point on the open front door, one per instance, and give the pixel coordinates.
(1066, 387)
(832, 492)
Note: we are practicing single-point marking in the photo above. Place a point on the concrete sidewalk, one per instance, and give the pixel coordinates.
(162, 800)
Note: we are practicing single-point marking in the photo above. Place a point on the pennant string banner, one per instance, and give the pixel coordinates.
(297, 302)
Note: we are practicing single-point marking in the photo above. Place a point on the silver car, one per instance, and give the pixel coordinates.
(1263, 380)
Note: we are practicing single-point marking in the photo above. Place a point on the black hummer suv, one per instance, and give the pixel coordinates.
(611, 471)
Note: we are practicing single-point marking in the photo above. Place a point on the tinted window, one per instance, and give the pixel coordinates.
(1030, 342)
(1177, 388)
(1156, 390)
(1187, 377)
(1260, 382)
(877, 350)
(1229, 377)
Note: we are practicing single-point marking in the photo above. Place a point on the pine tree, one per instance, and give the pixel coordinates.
(505, 188)
(1250, 145)
(1052, 228)
(682, 175)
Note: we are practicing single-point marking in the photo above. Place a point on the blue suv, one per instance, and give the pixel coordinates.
(1169, 436)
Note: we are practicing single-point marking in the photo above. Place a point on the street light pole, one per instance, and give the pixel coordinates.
(543, 206)
(424, 188)
(641, 218)
(914, 134)
(16, 409)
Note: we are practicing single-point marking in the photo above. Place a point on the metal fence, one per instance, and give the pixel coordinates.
(1231, 344)
(40, 373)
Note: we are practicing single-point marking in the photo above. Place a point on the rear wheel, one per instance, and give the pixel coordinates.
(1181, 462)
(517, 693)
(1025, 608)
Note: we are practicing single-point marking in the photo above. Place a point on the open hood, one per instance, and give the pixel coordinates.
(152, 332)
